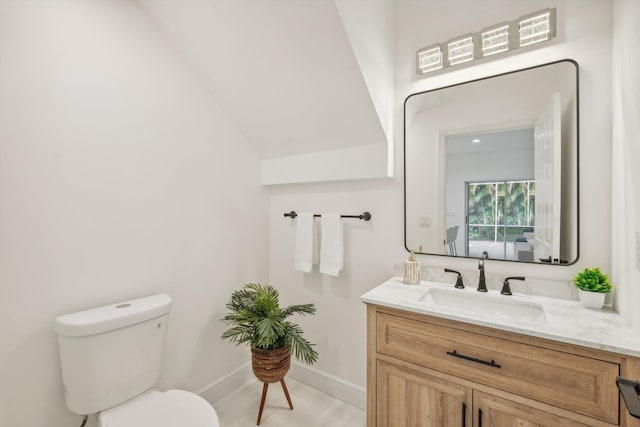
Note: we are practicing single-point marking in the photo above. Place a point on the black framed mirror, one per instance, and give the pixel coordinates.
(492, 165)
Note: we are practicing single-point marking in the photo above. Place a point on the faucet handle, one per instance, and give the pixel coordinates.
(506, 289)
(459, 284)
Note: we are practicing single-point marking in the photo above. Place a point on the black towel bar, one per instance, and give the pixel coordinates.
(366, 216)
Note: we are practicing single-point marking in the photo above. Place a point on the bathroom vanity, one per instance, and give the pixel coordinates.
(439, 356)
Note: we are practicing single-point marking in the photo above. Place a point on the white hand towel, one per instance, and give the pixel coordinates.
(331, 246)
(303, 258)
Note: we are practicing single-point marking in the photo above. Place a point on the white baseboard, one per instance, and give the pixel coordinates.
(227, 384)
(348, 392)
(337, 387)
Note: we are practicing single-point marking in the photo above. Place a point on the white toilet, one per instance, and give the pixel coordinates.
(111, 358)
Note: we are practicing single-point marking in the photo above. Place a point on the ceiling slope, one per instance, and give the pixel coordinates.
(285, 70)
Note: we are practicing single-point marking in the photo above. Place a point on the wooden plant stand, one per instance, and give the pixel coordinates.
(265, 387)
(271, 366)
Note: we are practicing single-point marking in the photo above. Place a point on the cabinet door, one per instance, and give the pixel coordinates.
(407, 398)
(492, 411)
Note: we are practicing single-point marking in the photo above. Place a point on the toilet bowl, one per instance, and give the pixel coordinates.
(172, 408)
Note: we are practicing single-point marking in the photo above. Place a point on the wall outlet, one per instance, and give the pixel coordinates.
(425, 221)
(638, 249)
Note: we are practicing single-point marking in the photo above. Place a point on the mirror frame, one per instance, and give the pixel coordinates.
(577, 142)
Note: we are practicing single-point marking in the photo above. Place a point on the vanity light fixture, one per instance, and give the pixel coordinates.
(429, 59)
(460, 49)
(537, 27)
(495, 39)
(528, 30)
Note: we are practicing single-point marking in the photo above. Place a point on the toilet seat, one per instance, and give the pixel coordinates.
(172, 408)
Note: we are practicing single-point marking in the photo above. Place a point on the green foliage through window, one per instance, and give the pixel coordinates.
(501, 211)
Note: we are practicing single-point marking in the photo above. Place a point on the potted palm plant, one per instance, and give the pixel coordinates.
(592, 285)
(256, 318)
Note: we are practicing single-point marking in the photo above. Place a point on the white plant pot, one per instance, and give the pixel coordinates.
(591, 299)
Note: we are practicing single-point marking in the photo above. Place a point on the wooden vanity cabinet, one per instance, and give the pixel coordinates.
(410, 398)
(425, 371)
(494, 411)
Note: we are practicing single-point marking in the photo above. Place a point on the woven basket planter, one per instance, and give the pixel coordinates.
(270, 366)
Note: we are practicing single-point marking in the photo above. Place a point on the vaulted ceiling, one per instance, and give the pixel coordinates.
(296, 76)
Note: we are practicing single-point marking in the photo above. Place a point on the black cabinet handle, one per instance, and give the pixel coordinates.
(493, 364)
(464, 414)
(479, 417)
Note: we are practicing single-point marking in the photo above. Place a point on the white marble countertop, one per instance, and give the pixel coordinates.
(566, 321)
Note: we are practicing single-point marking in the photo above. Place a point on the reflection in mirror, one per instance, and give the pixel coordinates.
(492, 165)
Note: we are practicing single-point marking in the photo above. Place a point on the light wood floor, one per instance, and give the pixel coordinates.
(311, 408)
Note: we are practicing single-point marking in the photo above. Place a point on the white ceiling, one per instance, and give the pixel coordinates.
(499, 142)
(284, 70)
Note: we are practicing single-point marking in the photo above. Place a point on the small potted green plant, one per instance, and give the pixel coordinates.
(256, 318)
(592, 285)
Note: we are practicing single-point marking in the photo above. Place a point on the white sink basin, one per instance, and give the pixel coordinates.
(466, 302)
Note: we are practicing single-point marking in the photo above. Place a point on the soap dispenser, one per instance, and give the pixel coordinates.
(412, 270)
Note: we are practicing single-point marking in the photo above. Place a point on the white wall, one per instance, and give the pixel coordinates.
(120, 177)
(369, 26)
(372, 249)
(289, 74)
(626, 157)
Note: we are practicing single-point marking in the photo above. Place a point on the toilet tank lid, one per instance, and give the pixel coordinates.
(112, 316)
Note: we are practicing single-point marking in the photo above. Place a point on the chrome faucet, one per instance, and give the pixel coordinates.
(482, 283)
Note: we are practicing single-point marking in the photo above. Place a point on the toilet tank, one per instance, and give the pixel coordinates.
(113, 353)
